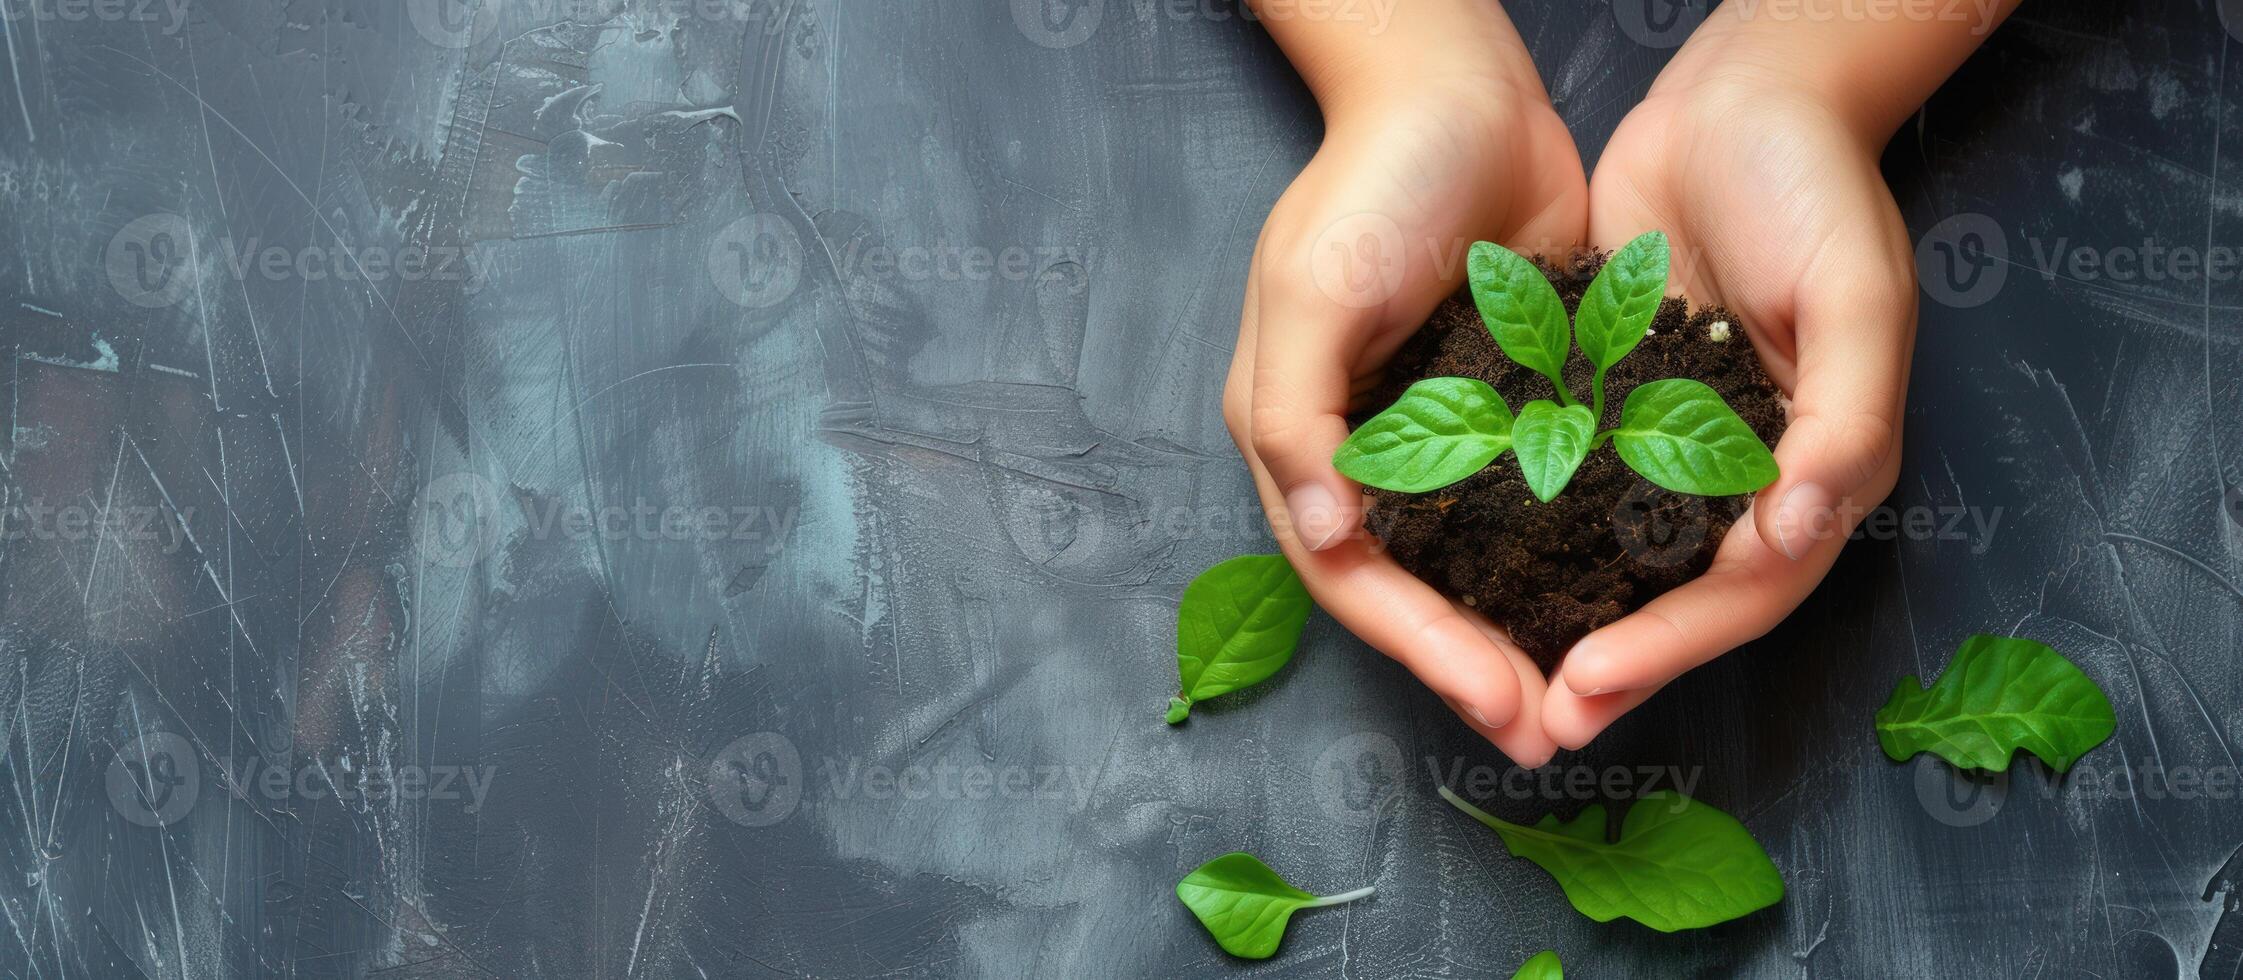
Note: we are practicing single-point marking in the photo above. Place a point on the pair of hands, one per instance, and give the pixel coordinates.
(1775, 207)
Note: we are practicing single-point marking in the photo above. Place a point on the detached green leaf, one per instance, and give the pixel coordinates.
(1680, 435)
(1520, 308)
(1622, 300)
(1999, 695)
(1678, 863)
(1551, 443)
(1440, 431)
(1542, 966)
(1238, 624)
(1178, 710)
(1245, 905)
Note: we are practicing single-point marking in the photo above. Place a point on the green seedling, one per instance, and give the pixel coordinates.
(1677, 433)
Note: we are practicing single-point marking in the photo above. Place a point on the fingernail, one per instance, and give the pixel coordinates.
(1575, 659)
(1482, 717)
(1797, 518)
(1316, 515)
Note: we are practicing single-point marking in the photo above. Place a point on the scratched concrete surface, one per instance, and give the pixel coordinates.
(598, 489)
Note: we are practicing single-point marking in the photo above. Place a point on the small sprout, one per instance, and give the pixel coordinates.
(1677, 433)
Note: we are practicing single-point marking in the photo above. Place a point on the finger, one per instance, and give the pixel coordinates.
(1305, 351)
(1331, 304)
(1572, 721)
(1744, 594)
(1524, 739)
(1405, 619)
(1839, 456)
(1390, 609)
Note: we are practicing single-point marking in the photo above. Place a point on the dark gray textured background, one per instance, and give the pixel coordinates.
(322, 525)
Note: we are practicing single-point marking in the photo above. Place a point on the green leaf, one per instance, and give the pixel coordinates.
(1238, 624)
(1680, 435)
(1621, 301)
(1440, 431)
(1551, 443)
(1178, 710)
(1999, 695)
(1542, 966)
(1678, 863)
(1245, 905)
(1521, 310)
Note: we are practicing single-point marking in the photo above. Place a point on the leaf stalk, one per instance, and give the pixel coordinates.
(1342, 898)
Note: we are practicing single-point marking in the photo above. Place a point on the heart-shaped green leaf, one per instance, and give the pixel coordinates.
(1542, 966)
(1678, 863)
(1245, 905)
(1520, 308)
(1999, 695)
(1679, 434)
(1622, 300)
(1238, 624)
(1551, 443)
(1440, 431)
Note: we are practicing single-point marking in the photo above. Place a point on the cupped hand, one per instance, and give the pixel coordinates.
(1354, 257)
(1776, 210)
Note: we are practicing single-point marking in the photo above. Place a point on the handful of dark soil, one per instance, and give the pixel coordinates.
(1554, 572)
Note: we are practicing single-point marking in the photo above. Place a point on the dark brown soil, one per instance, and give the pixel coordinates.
(1612, 541)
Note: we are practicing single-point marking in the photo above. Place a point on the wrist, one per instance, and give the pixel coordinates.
(1458, 54)
(1868, 67)
(1733, 66)
(1486, 95)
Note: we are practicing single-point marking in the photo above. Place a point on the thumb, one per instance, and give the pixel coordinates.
(1330, 309)
(1306, 350)
(1839, 456)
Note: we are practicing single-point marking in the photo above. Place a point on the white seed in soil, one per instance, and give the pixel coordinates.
(1719, 331)
(1470, 601)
